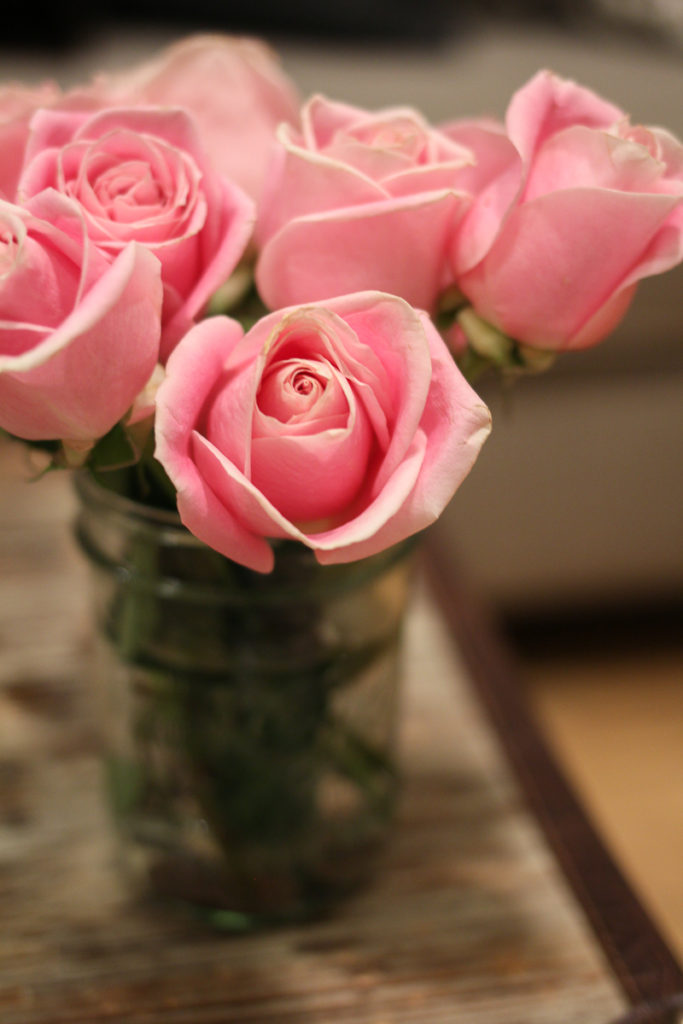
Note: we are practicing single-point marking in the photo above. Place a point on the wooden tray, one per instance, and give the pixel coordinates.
(471, 921)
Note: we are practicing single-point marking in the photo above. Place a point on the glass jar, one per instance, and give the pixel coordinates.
(249, 719)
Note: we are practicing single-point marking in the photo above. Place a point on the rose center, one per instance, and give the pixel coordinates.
(129, 184)
(290, 391)
(303, 383)
(401, 136)
(392, 138)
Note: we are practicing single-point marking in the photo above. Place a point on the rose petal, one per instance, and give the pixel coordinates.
(454, 426)
(201, 357)
(314, 183)
(397, 246)
(579, 157)
(83, 377)
(557, 260)
(547, 104)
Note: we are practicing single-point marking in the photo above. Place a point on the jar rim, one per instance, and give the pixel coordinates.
(168, 530)
(91, 491)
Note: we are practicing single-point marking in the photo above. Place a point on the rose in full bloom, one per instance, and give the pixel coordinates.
(599, 206)
(235, 89)
(79, 332)
(141, 175)
(360, 200)
(343, 425)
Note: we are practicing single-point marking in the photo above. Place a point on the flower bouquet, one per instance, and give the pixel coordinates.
(251, 327)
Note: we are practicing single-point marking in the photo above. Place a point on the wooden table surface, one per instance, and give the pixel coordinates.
(470, 920)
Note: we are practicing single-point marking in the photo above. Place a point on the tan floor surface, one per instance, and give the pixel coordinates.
(617, 725)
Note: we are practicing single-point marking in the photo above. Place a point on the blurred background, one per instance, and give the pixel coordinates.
(571, 522)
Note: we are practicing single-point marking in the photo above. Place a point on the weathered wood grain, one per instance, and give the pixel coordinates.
(469, 922)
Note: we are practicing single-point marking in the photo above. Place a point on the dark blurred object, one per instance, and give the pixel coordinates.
(389, 21)
(632, 627)
(386, 19)
(56, 27)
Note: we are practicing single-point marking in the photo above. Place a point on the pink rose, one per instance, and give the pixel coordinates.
(360, 200)
(79, 333)
(17, 105)
(598, 207)
(141, 175)
(234, 88)
(345, 426)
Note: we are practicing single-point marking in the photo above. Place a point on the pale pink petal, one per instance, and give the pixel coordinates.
(581, 157)
(250, 507)
(603, 321)
(399, 246)
(301, 394)
(454, 427)
(84, 376)
(494, 180)
(322, 118)
(313, 477)
(211, 521)
(560, 257)
(428, 178)
(547, 104)
(382, 522)
(302, 183)
(201, 358)
(394, 333)
(173, 125)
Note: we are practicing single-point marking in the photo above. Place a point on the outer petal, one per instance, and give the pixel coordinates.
(562, 256)
(429, 178)
(301, 182)
(237, 493)
(603, 321)
(547, 104)
(394, 333)
(579, 157)
(211, 521)
(399, 246)
(322, 118)
(77, 383)
(201, 358)
(39, 280)
(252, 508)
(173, 125)
(494, 181)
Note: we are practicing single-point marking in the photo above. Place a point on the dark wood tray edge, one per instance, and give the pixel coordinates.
(643, 964)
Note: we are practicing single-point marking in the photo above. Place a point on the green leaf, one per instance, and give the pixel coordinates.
(115, 450)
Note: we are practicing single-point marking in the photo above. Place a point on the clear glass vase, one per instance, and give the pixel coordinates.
(249, 719)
